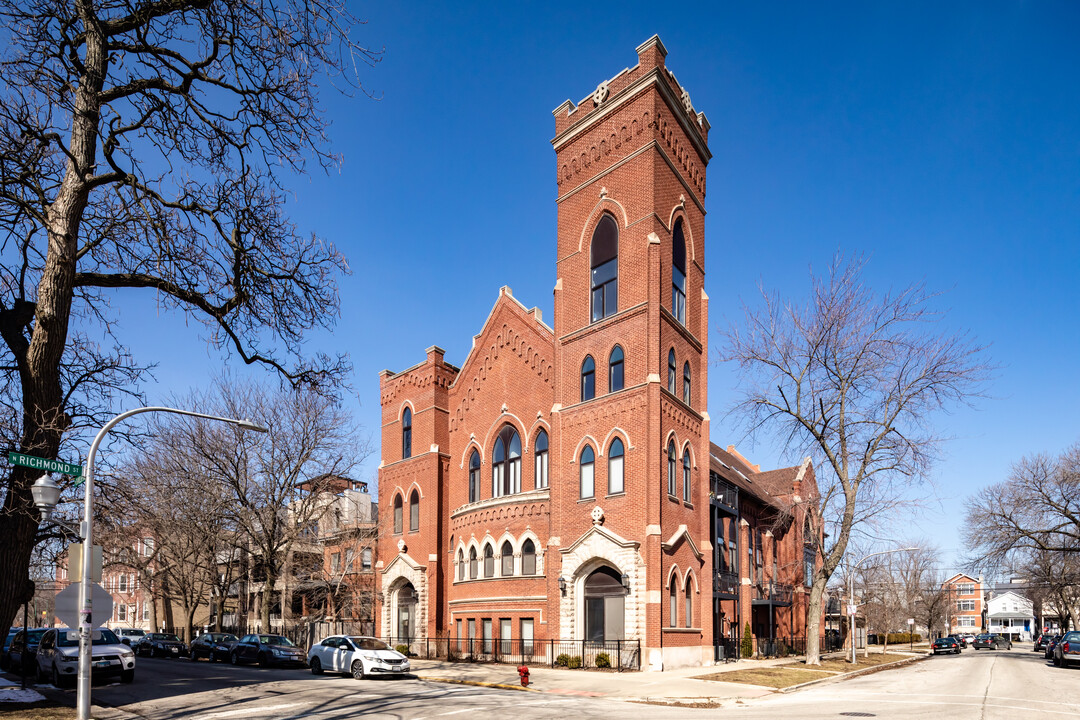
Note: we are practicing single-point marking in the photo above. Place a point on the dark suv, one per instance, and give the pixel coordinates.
(992, 642)
(1042, 641)
(267, 650)
(212, 646)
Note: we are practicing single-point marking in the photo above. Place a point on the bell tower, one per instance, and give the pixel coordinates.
(631, 330)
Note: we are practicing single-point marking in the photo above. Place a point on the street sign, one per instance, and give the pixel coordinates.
(74, 558)
(57, 466)
(67, 605)
(911, 621)
(850, 609)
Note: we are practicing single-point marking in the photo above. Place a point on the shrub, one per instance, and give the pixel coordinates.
(603, 660)
(574, 662)
(562, 660)
(403, 649)
(747, 642)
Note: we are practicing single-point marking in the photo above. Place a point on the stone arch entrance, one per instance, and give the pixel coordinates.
(605, 605)
(405, 622)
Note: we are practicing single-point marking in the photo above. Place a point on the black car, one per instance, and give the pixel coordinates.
(160, 645)
(992, 642)
(947, 644)
(1050, 645)
(960, 640)
(267, 650)
(1042, 641)
(213, 646)
(21, 655)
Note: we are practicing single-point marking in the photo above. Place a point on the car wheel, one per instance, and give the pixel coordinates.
(357, 670)
(127, 676)
(316, 666)
(58, 679)
(264, 660)
(193, 656)
(234, 658)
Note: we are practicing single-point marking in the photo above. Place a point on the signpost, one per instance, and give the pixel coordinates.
(910, 630)
(56, 466)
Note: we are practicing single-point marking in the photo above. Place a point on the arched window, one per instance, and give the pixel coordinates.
(615, 467)
(507, 559)
(528, 558)
(686, 383)
(489, 561)
(672, 483)
(472, 563)
(688, 604)
(686, 475)
(365, 559)
(460, 565)
(604, 252)
(397, 514)
(540, 449)
(615, 370)
(678, 273)
(474, 476)
(671, 371)
(673, 603)
(588, 458)
(588, 379)
(506, 463)
(406, 434)
(414, 512)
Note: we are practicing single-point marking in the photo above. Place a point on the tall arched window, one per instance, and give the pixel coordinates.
(406, 434)
(489, 561)
(615, 467)
(506, 463)
(688, 603)
(540, 449)
(588, 461)
(414, 512)
(673, 603)
(671, 371)
(604, 253)
(686, 383)
(678, 273)
(507, 559)
(528, 558)
(615, 370)
(474, 476)
(588, 379)
(472, 563)
(686, 475)
(397, 514)
(460, 565)
(672, 482)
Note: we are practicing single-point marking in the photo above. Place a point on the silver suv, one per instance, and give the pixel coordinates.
(130, 636)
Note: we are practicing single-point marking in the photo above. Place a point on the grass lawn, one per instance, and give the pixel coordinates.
(873, 660)
(35, 711)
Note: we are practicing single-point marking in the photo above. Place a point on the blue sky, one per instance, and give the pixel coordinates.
(940, 139)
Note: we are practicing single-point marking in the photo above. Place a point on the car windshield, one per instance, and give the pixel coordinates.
(221, 637)
(275, 640)
(164, 636)
(70, 638)
(134, 633)
(366, 643)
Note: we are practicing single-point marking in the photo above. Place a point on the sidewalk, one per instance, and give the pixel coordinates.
(670, 685)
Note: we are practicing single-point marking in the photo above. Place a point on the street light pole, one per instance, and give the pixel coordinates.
(851, 594)
(82, 711)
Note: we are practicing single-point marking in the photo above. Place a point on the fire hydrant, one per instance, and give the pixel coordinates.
(523, 673)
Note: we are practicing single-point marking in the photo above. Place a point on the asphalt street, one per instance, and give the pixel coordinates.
(976, 685)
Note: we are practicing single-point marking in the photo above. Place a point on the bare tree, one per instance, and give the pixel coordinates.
(854, 380)
(1053, 583)
(146, 146)
(1036, 509)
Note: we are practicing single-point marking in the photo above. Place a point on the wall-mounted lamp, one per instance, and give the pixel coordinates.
(626, 581)
(562, 586)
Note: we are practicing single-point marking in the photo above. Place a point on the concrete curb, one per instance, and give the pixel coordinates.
(477, 683)
(854, 674)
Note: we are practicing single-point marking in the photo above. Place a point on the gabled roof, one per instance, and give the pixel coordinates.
(958, 577)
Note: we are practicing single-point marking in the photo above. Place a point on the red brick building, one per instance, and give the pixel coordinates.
(557, 484)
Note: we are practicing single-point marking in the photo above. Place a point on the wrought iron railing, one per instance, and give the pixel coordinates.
(776, 592)
(617, 655)
(726, 582)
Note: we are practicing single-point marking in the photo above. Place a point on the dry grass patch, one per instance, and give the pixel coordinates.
(780, 676)
(35, 711)
(844, 666)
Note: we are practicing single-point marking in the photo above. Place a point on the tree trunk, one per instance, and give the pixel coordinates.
(813, 620)
(265, 601)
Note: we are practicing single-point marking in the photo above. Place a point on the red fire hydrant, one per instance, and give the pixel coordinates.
(523, 673)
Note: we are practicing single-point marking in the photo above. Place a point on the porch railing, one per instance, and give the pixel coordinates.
(733, 648)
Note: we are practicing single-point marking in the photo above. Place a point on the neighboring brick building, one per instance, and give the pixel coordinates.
(556, 485)
(966, 604)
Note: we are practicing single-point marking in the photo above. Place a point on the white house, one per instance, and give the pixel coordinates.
(1011, 614)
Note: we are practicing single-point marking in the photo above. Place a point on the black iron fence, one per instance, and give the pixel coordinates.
(616, 655)
(735, 647)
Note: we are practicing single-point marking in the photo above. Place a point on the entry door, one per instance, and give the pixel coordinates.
(405, 621)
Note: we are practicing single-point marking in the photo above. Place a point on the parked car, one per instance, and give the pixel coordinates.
(1041, 640)
(1067, 651)
(1049, 654)
(161, 645)
(267, 650)
(947, 644)
(58, 656)
(130, 636)
(212, 646)
(960, 640)
(20, 655)
(10, 637)
(356, 656)
(992, 642)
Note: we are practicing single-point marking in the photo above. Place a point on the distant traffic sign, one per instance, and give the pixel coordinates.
(57, 466)
(68, 610)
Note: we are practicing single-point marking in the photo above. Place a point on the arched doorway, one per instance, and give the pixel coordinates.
(406, 613)
(605, 611)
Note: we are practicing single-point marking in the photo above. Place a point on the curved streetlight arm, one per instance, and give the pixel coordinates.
(85, 616)
(852, 567)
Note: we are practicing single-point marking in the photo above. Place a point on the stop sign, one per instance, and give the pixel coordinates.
(67, 604)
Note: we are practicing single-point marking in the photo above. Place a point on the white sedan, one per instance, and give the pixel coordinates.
(356, 656)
